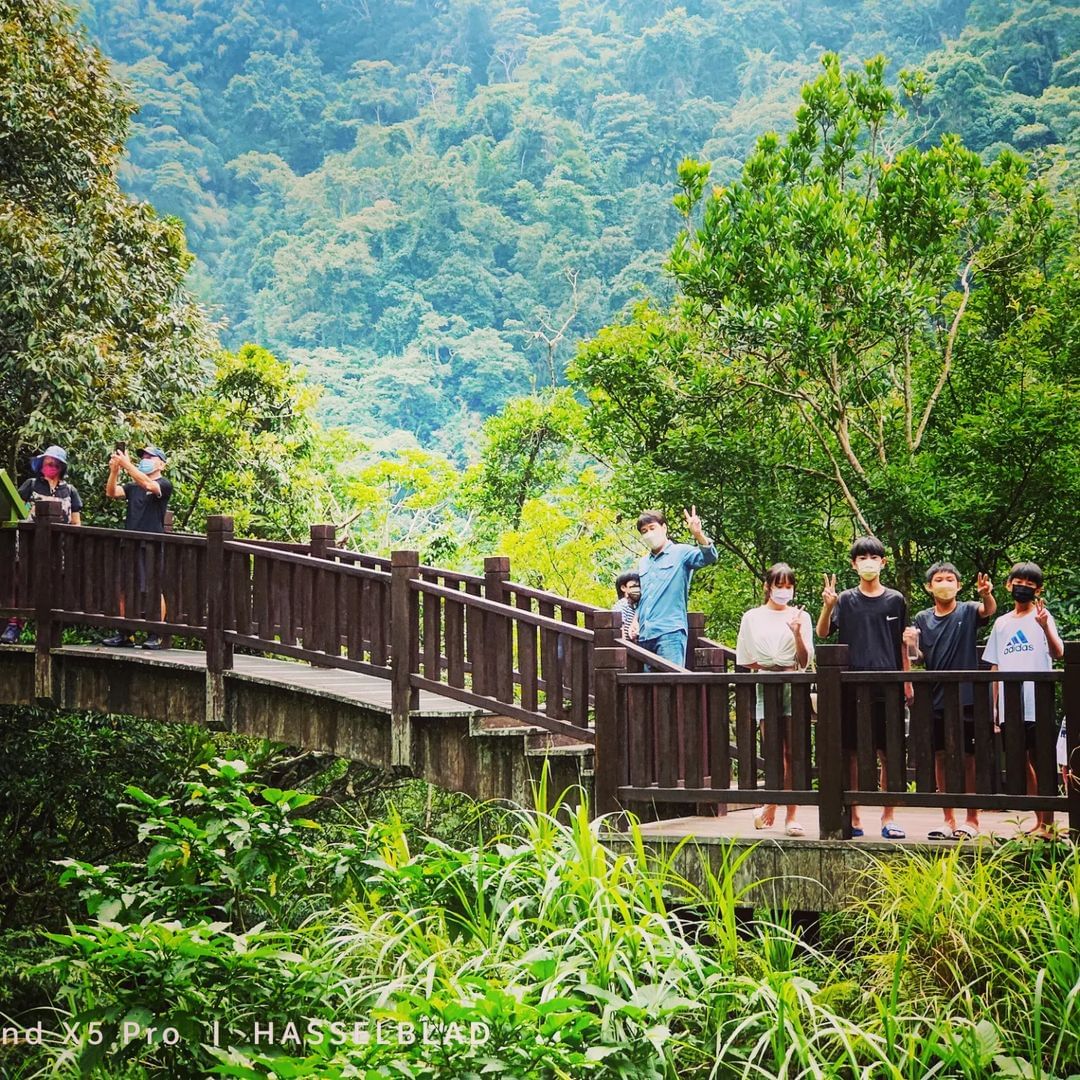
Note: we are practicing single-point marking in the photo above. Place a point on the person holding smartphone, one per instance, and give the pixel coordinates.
(147, 493)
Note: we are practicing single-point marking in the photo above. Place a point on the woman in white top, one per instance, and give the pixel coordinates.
(777, 637)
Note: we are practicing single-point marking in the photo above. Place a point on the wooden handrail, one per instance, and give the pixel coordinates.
(242, 547)
(348, 555)
(669, 735)
(542, 596)
(657, 663)
(692, 761)
(481, 603)
(715, 678)
(799, 678)
(128, 535)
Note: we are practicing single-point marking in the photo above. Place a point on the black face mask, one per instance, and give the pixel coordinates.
(1023, 594)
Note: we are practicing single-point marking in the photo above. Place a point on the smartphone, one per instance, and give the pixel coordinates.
(121, 447)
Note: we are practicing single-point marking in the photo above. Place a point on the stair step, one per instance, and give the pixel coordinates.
(500, 725)
(547, 743)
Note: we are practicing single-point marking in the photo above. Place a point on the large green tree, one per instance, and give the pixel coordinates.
(871, 337)
(248, 445)
(96, 331)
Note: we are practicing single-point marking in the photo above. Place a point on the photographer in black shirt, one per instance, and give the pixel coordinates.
(147, 495)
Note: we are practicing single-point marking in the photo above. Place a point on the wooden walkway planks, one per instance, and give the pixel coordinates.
(333, 683)
(916, 821)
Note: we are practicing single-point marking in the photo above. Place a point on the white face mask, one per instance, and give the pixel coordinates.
(782, 596)
(869, 567)
(655, 539)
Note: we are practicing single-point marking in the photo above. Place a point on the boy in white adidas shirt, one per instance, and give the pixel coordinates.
(1025, 639)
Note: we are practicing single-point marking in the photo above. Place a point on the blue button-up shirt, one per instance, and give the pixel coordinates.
(665, 587)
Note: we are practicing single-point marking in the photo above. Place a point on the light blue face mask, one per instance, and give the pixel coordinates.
(148, 465)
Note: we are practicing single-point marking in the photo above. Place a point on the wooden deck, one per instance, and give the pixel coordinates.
(460, 747)
(331, 683)
(453, 745)
(374, 693)
(916, 821)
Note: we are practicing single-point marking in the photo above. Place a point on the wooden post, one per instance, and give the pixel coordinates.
(322, 605)
(607, 629)
(404, 654)
(608, 662)
(713, 703)
(1071, 701)
(47, 580)
(833, 816)
(219, 653)
(167, 524)
(695, 631)
(499, 638)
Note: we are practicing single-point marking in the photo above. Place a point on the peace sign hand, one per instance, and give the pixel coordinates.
(828, 594)
(983, 585)
(693, 523)
(1042, 613)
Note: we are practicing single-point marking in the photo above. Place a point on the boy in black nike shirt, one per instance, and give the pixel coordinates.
(870, 621)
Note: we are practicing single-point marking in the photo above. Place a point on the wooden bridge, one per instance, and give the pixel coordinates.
(471, 681)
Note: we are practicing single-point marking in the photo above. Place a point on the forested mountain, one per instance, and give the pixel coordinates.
(428, 202)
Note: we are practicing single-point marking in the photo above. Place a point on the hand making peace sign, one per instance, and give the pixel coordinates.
(1042, 615)
(693, 523)
(828, 594)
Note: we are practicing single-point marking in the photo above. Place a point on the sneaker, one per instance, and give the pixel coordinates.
(119, 640)
(10, 636)
(154, 642)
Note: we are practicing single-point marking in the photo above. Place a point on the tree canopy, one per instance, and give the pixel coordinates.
(870, 337)
(96, 331)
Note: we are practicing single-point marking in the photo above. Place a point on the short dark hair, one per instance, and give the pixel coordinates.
(867, 545)
(777, 573)
(1031, 571)
(625, 579)
(942, 568)
(648, 517)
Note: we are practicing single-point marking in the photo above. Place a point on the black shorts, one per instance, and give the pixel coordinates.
(849, 717)
(148, 550)
(968, 714)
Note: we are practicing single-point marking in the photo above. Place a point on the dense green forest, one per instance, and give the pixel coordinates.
(951, 430)
(866, 321)
(428, 203)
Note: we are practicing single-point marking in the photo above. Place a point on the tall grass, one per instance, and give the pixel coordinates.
(987, 933)
(576, 960)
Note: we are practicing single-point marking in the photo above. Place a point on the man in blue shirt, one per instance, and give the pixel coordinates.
(665, 583)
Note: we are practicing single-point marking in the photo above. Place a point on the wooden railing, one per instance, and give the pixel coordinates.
(667, 738)
(483, 639)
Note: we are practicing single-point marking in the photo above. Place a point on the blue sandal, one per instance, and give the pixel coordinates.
(893, 832)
